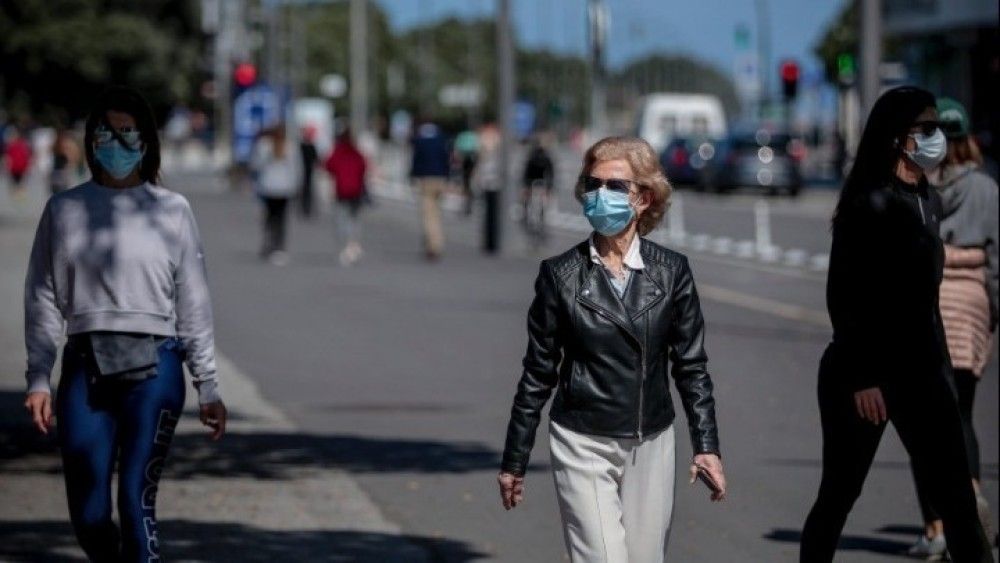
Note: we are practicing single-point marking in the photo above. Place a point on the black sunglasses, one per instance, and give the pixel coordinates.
(926, 127)
(593, 183)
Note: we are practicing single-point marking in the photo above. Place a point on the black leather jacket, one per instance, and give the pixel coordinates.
(608, 356)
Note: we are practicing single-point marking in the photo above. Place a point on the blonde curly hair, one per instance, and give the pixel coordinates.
(646, 171)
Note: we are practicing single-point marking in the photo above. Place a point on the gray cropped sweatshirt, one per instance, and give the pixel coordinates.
(123, 260)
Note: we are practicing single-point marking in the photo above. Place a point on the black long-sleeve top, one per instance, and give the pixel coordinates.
(886, 265)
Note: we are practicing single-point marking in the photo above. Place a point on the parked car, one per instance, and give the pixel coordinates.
(764, 159)
(685, 160)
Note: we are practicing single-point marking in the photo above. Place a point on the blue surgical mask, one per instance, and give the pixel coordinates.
(930, 150)
(116, 159)
(609, 212)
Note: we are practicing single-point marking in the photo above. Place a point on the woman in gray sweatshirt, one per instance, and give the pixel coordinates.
(117, 265)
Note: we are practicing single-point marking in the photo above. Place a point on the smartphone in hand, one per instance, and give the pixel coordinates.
(705, 477)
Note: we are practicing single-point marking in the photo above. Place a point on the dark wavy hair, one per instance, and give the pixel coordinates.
(130, 101)
(882, 143)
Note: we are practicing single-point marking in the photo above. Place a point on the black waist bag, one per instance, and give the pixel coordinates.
(123, 356)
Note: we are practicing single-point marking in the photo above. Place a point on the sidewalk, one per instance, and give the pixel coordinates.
(262, 494)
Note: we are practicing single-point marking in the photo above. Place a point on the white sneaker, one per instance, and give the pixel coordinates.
(929, 549)
(278, 258)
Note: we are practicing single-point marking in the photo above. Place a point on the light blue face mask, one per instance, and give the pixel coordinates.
(931, 149)
(609, 212)
(116, 159)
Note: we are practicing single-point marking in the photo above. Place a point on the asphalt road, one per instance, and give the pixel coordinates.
(402, 373)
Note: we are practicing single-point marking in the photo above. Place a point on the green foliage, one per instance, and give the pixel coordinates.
(60, 54)
(841, 37)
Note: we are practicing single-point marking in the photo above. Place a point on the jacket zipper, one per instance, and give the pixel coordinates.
(642, 385)
(642, 373)
(920, 204)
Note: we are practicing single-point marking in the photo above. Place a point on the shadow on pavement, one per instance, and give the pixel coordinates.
(282, 455)
(847, 543)
(263, 455)
(209, 542)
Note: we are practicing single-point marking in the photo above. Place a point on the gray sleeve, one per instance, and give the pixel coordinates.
(194, 310)
(990, 209)
(43, 322)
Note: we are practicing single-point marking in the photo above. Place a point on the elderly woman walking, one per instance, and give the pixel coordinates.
(611, 318)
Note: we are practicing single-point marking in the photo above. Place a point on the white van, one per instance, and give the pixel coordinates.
(662, 117)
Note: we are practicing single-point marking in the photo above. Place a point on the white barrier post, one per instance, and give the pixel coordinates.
(762, 221)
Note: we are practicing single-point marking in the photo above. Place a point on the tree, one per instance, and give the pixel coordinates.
(58, 55)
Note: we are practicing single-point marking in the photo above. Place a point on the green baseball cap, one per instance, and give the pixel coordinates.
(954, 119)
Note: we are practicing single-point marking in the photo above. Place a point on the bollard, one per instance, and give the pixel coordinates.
(762, 222)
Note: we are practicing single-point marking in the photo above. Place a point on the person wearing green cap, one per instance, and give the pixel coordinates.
(968, 293)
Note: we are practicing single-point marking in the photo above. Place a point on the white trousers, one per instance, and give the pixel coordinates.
(616, 495)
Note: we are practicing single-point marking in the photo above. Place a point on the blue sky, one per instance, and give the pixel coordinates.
(700, 28)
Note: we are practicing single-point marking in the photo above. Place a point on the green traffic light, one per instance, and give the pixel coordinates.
(845, 64)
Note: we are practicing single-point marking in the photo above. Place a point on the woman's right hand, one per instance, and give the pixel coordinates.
(511, 489)
(871, 405)
(39, 405)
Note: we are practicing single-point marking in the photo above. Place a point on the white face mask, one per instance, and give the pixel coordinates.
(930, 150)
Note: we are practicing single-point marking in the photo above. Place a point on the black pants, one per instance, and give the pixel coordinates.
(306, 195)
(965, 385)
(926, 417)
(275, 224)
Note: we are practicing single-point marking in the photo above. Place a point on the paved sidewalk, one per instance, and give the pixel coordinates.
(262, 494)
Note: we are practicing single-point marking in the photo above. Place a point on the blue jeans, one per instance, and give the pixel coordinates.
(131, 422)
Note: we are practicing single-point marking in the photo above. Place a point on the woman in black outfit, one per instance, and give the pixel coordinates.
(888, 359)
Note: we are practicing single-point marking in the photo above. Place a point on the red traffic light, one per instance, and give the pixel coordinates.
(789, 71)
(245, 74)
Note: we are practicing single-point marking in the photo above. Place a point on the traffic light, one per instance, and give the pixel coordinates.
(245, 75)
(789, 79)
(845, 68)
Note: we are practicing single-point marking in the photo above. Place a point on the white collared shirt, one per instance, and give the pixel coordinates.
(631, 262)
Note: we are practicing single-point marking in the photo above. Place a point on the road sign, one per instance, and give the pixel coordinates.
(255, 109)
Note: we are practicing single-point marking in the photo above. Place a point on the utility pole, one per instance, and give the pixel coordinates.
(597, 15)
(359, 66)
(871, 54)
(764, 54)
(505, 100)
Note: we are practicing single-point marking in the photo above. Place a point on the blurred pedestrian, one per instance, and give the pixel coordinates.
(347, 167)
(118, 265)
(968, 295)
(606, 317)
(430, 171)
(537, 182)
(466, 151)
(66, 161)
(18, 157)
(888, 359)
(307, 149)
(276, 168)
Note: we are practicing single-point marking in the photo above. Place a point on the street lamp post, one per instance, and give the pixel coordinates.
(871, 54)
(505, 77)
(597, 15)
(359, 65)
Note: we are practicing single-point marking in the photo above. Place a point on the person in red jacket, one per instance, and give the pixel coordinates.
(347, 167)
(18, 153)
